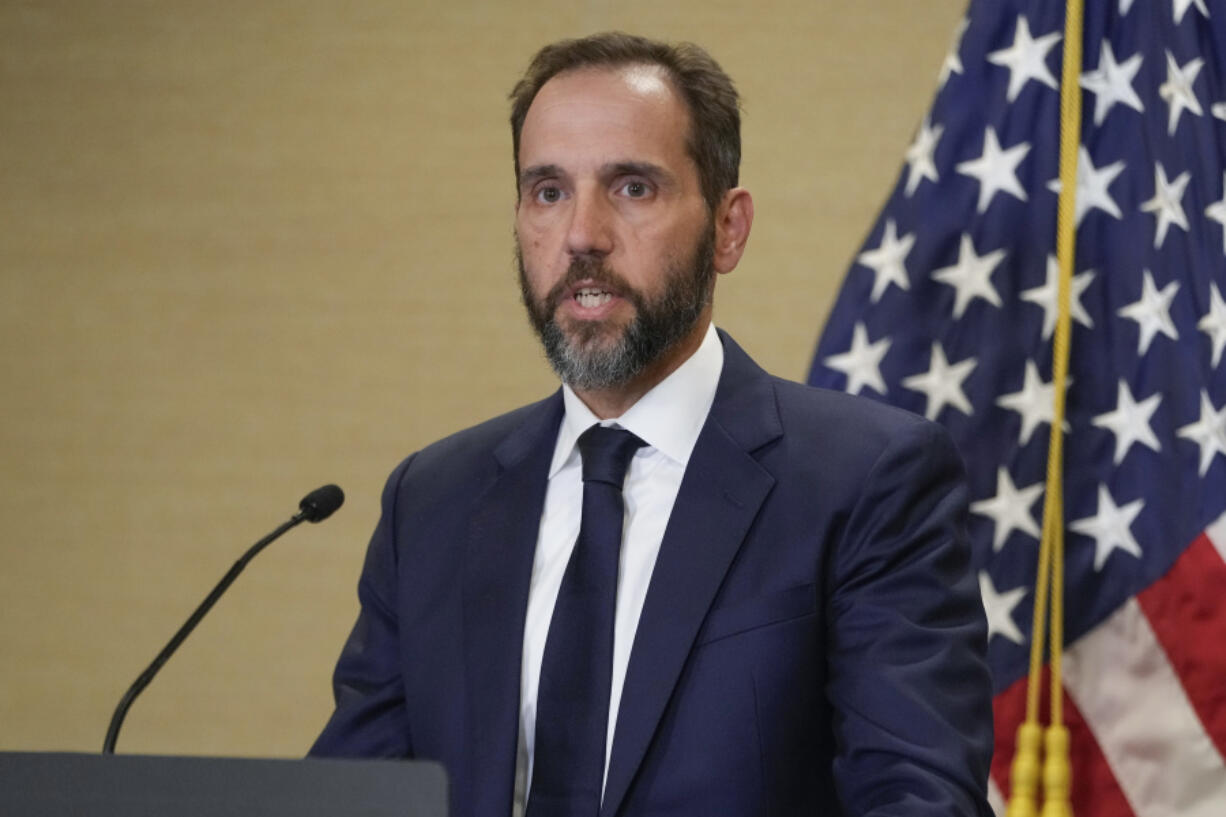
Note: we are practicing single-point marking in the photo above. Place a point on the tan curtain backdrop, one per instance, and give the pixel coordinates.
(251, 246)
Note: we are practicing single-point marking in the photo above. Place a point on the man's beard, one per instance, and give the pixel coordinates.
(577, 352)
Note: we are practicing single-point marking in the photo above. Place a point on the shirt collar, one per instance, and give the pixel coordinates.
(668, 418)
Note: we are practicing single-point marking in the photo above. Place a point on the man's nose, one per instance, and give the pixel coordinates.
(591, 224)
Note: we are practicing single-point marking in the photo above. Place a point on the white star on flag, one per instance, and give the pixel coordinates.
(942, 383)
(887, 261)
(1213, 323)
(998, 607)
(1129, 421)
(1166, 202)
(1209, 432)
(952, 64)
(1034, 402)
(996, 169)
(1152, 312)
(1026, 59)
(1110, 527)
(1092, 184)
(1048, 297)
(1217, 212)
(861, 363)
(1181, 7)
(919, 156)
(1009, 509)
(971, 276)
(1111, 83)
(1177, 90)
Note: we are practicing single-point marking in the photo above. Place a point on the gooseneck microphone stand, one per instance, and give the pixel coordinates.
(314, 507)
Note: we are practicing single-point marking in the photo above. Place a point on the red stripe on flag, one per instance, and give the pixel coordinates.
(1186, 609)
(1008, 711)
(1095, 792)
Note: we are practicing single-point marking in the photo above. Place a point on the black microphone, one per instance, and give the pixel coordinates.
(316, 506)
(321, 503)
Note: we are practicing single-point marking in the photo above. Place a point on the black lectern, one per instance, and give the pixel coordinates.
(38, 784)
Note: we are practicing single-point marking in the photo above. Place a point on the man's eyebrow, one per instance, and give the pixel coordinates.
(530, 174)
(651, 171)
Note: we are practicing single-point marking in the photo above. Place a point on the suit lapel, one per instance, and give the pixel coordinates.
(497, 572)
(723, 488)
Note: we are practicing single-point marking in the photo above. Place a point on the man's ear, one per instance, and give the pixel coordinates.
(733, 219)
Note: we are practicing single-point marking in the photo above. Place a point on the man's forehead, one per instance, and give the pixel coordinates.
(597, 115)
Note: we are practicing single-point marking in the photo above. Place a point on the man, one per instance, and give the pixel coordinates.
(788, 624)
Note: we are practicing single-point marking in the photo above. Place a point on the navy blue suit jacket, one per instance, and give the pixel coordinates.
(811, 643)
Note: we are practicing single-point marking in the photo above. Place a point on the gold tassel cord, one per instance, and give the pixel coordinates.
(1049, 581)
(1057, 771)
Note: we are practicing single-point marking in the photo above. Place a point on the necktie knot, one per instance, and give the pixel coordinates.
(606, 454)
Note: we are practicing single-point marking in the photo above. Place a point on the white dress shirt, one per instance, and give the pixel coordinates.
(668, 418)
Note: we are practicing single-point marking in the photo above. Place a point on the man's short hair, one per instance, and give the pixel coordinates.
(714, 140)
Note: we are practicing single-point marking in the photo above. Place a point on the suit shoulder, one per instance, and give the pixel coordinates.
(487, 435)
(460, 458)
(813, 403)
(837, 422)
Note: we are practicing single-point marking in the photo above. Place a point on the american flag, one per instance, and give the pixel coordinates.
(949, 311)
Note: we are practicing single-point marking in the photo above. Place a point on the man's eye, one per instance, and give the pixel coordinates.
(636, 190)
(548, 195)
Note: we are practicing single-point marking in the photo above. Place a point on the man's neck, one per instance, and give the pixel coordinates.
(617, 400)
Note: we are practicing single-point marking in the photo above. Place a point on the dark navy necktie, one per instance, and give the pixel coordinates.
(572, 702)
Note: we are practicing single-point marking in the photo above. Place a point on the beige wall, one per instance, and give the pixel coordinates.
(251, 246)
